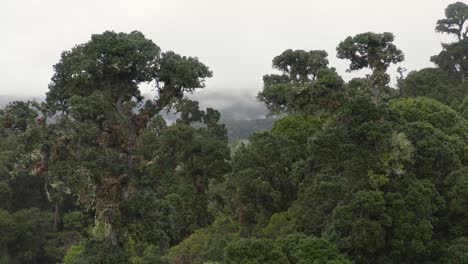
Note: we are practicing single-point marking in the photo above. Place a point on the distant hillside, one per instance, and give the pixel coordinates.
(243, 115)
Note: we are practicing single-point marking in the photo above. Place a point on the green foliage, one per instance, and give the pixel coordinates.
(316, 200)
(27, 235)
(143, 253)
(306, 85)
(94, 252)
(5, 195)
(454, 21)
(72, 254)
(17, 117)
(206, 244)
(453, 58)
(6, 228)
(372, 50)
(262, 176)
(96, 175)
(27, 192)
(426, 110)
(254, 251)
(300, 65)
(457, 251)
(95, 65)
(432, 83)
(456, 185)
(299, 128)
(302, 249)
(280, 224)
(58, 243)
(413, 211)
(185, 160)
(438, 133)
(463, 108)
(182, 72)
(74, 220)
(359, 227)
(152, 218)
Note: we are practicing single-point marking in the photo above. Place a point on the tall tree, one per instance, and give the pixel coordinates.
(456, 15)
(300, 65)
(306, 84)
(454, 56)
(374, 51)
(95, 89)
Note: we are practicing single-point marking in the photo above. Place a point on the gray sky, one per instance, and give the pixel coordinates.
(237, 39)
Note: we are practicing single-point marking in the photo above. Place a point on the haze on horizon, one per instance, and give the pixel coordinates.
(236, 39)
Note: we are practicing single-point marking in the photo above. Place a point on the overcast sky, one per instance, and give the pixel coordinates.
(237, 39)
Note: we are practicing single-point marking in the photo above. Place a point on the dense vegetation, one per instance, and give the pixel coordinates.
(353, 172)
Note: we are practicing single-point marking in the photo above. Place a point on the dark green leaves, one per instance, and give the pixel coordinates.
(456, 15)
(372, 50)
(112, 62)
(301, 65)
(307, 84)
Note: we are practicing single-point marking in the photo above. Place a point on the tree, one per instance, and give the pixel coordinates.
(300, 65)
(299, 128)
(185, 159)
(456, 195)
(178, 74)
(7, 234)
(17, 116)
(301, 249)
(115, 64)
(453, 58)
(457, 251)
(30, 230)
(151, 219)
(96, 252)
(112, 62)
(359, 228)
(262, 178)
(456, 15)
(5, 195)
(463, 108)
(254, 251)
(306, 85)
(433, 83)
(206, 244)
(438, 133)
(414, 207)
(374, 51)
(312, 211)
(95, 88)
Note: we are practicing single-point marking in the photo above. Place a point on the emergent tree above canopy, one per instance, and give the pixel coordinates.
(372, 50)
(456, 16)
(117, 63)
(454, 56)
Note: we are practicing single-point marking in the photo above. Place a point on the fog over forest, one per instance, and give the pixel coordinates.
(234, 132)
